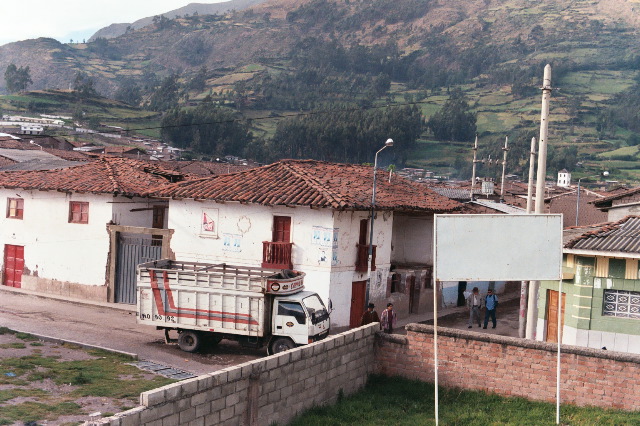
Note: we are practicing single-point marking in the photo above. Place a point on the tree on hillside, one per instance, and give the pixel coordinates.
(347, 135)
(167, 95)
(84, 85)
(17, 79)
(207, 129)
(129, 92)
(455, 121)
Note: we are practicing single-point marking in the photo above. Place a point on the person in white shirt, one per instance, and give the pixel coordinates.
(474, 303)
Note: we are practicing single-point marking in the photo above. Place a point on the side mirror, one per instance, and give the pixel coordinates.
(330, 306)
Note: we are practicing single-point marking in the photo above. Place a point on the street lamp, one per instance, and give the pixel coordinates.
(389, 142)
(605, 173)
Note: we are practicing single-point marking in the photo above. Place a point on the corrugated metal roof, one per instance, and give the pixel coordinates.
(501, 207)
(455, 193)
(621, 236)
(21, 155)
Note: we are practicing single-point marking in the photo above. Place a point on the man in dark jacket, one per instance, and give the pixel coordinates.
(369, 315)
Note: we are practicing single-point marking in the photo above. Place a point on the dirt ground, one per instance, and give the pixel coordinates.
(18, 388)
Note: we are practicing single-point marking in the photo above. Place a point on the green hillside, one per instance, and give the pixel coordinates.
(287, 57)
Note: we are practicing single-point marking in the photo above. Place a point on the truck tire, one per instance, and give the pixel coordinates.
(280, 344)
(189, 341)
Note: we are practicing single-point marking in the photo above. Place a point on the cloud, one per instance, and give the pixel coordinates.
(28, 19)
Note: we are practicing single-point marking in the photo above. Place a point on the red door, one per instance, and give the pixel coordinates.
(13, 265)
(358, 289)
(281, 229)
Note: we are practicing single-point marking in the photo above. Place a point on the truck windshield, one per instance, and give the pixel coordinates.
(315, 306)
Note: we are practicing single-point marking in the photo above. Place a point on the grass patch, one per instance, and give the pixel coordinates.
(400, 401)
(36, 411)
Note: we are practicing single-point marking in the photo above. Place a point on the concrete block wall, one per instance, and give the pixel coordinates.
(512, 367)
(264, 391)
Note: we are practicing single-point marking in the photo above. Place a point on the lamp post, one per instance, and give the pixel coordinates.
(389, 142)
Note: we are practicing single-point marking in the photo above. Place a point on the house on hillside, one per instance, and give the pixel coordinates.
(315, 216)
(80, 231)
(601, 289)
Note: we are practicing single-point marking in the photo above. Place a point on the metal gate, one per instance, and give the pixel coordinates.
(131, 252)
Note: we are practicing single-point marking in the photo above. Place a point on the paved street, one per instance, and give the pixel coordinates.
(114, 329)
(506, 314)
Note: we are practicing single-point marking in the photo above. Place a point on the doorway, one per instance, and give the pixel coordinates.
(358, 289)
(552, 315)
(13, 265)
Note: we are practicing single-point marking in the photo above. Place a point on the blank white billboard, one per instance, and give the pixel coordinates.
(498, 247)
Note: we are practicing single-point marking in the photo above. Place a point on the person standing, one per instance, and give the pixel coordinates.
(474, 303)
(388, 319)
(491, 303)
(369, 315)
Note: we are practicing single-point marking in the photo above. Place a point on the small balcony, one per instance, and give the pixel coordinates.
(276, 255)
(363, 258)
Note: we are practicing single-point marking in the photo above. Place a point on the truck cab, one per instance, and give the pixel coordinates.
(298, 319)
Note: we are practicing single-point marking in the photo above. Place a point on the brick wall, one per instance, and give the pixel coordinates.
(271, 389)
(512, 367)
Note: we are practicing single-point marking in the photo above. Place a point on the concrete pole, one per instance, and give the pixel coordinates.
(504, 167)
(578, 203)
(473, 173)
(532, 166)
(522, 318)
(532, 311)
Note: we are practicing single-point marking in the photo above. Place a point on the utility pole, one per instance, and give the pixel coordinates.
(522, 318)
(473, 173)
(504, 167)
(532, 311)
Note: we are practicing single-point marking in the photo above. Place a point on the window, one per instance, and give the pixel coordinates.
(617, 268)
(78, 212)
(619, 303)
(292, 309)
(15, 208)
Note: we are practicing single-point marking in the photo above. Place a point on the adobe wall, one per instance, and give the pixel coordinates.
(265, 391)
(512, 367)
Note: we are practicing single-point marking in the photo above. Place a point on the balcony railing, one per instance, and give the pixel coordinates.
(363, 258)
(276, 255)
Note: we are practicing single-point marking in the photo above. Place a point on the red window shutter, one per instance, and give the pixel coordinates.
(281, 229)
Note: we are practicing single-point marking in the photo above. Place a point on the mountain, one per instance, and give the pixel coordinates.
(297, 55)
(115, 30)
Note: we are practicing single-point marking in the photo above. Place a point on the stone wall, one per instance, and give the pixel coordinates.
(512, 367)
(264, 391)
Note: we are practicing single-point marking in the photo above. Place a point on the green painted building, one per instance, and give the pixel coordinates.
(600, 290)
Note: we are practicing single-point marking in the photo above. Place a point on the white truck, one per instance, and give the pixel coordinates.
(206, 303)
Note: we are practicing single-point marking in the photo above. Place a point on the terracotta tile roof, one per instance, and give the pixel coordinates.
(620, 236)
(315, 184)
(105, 175)
(69, 155)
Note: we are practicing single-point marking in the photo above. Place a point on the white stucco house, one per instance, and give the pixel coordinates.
(77, 231)
(314, 216)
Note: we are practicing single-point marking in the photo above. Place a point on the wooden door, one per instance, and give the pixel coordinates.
(358, 289)
(158, 217)
(13, 265)
(552, 315)
(412, 292)
(281, 229)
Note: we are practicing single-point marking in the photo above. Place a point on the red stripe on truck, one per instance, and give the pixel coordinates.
(195, 313)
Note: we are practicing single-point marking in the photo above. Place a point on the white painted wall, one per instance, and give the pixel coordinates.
(329, 264)
(412, 240)
(58, 250)
(122, 214)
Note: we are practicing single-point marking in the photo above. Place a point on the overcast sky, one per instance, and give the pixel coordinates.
(75, 19)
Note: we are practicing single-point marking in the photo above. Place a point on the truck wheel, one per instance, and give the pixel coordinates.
(189, 341)
(280, 344)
